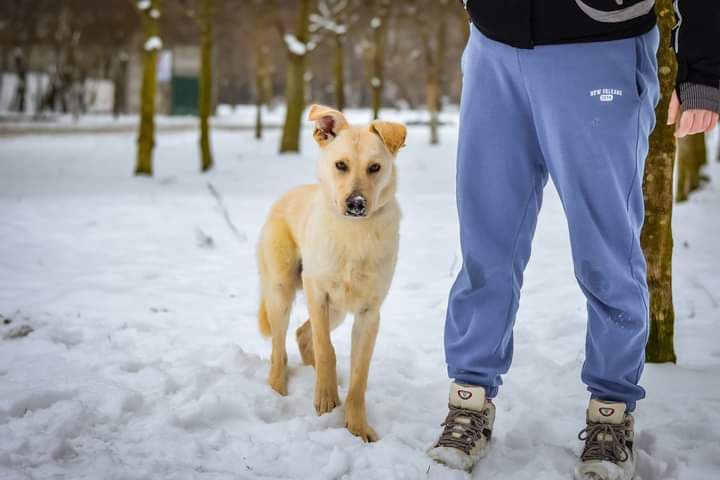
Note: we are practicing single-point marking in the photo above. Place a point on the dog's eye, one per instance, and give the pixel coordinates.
(374, 168)
(342, 166)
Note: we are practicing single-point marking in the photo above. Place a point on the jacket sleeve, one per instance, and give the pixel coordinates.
(697, 47)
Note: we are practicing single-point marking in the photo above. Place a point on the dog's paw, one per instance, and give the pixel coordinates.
(363, 430)
(278, 380)
(326, 399)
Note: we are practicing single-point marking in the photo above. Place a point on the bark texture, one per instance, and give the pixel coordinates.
(657, 241)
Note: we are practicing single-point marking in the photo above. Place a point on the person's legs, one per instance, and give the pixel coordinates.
(500, 177)
(594, 110)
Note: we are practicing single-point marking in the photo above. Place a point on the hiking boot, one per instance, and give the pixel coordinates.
(468, 428)
(608, 437)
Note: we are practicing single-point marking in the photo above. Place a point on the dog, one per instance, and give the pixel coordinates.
(338, 241)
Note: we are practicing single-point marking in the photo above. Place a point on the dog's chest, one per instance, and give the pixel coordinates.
(354, 274)
(355, 285)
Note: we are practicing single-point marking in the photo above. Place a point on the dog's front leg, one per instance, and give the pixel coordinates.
(326, 389)
(364, 333)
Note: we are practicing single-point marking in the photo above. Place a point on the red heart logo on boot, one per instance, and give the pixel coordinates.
(464, 394)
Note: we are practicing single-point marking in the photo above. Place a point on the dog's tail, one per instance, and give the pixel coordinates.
(263, 323)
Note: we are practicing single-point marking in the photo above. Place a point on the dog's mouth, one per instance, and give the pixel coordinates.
(355, 214)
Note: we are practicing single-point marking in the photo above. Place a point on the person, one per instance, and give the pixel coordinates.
(565, 89)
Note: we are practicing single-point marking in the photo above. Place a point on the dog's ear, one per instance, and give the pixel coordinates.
(392, 134)
(328, 123)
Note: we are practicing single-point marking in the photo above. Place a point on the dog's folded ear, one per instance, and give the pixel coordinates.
(392, 134)
(328, 123)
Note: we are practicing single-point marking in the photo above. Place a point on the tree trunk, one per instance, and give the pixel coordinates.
(21, 65)
(339, 72)
(295, 88)
(433, 93)
(692, 155)
(205, 94)
(657, 241)
(434, 76)
(120, 85)
(146, 131)
(261, 93)
(377, 80)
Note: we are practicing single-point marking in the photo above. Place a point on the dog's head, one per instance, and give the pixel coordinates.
(357, 164)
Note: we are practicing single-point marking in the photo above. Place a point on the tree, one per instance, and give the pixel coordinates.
(656, 238)
(692, 155)
(298, 45)
(379, 27)
(432, 27)
(262, 86)
(205, 21)
(332, 18)
(262, 83)
(149, 11)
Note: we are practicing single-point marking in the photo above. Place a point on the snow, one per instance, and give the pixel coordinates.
(240, 117)
(144, 4)
(153, 43)
(375, 82)
(155, 13)
(375, 22)
(145, 360)
(326, 23)
(294, 45)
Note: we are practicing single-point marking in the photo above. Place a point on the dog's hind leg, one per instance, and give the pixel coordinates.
(303, 335)
(279, 259)
(278, 306)
(304, 340)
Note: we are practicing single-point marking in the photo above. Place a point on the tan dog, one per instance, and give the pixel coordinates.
(337, 240)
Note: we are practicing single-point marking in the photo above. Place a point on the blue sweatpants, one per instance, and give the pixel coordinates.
(582, 114)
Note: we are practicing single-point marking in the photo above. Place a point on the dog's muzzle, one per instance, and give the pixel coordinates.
(356, 206)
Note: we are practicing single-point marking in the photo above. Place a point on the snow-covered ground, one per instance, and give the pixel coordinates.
(145, 361)
(240, 117)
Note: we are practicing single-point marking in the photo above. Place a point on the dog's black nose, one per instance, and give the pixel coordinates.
(355, 206)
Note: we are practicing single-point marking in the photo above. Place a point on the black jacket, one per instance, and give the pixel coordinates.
(696, 36)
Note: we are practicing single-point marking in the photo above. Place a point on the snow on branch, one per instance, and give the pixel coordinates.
(296, 46)
(153, 43)
(144, 4)
(327, 23)
(327, 18)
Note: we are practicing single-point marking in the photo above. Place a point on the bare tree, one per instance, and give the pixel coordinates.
(379, 26)
(656, 239)
(692, 155)
(149, 11)
(298, 45)
(332, 18)
(205, 23)
(431, 19)
(262, 83)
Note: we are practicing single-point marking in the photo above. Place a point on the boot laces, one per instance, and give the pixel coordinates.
(605, 441)
(463, 428)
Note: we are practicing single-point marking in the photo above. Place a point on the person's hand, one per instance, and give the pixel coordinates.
(688, 122)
